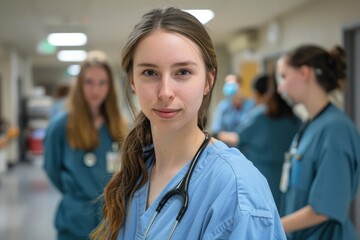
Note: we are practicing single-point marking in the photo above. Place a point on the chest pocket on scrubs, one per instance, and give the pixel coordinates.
(302, 172)
(113, 159)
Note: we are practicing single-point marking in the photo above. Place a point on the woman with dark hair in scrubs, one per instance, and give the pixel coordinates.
(321, 171)
(266, 134)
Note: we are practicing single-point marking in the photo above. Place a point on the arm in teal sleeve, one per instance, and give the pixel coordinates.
(53, 152)
(217, 117)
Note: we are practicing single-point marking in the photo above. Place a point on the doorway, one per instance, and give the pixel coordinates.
(351, 36)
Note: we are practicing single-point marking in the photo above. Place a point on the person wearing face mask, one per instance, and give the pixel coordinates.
(321, 171)
(231, 109)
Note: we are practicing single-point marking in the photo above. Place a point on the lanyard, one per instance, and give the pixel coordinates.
(293, 152)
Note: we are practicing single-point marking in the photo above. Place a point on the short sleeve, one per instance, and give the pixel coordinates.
(53, 151)
(334, 174)
(246, 227)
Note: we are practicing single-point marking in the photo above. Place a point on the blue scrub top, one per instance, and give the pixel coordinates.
(78, 213)
(227, 117)
(325, 175)
(264, 140)
(228, 199)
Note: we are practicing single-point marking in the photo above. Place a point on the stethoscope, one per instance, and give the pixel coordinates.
(180, 189)
(90, 159)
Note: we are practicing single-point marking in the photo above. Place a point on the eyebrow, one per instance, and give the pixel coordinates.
(179, 64)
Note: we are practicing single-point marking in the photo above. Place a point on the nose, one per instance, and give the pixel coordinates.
(166, 89)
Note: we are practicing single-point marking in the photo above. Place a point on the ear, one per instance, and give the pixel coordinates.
(132, 85)
(306, 71)
(209, 83)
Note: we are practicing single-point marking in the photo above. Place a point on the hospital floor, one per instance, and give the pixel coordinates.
(27, 203)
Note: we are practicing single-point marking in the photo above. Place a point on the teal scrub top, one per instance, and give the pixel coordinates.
(264, 140)
(227, 117)
(228, 199)
(325, 175)
(79, 212)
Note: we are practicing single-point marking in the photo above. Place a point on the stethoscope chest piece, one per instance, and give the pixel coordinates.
(89, 159)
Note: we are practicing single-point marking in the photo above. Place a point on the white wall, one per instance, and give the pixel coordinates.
(13, 68)
(317, 22)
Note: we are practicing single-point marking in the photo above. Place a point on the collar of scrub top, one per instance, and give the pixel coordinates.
(180, 189)
(299, 134)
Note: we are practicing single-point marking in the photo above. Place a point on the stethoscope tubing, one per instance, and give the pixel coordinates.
(180, 189)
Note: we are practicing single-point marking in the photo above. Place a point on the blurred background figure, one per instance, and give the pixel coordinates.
(230, 111)
(59, 99)
(266, 133)
(81, 147)
(336, 96)
(321, 171)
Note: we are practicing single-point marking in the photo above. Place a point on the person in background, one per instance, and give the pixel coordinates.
(321, 172)
(60, 96)
(230, 111)
(336, 96)
(267, 134)
(80, 147)
(223, 194)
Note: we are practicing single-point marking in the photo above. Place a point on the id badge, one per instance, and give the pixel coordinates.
(284, 182)
(112, 162)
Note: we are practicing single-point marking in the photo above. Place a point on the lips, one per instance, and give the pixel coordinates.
(166, 113)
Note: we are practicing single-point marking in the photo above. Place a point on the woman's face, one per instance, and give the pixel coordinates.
(95, 86)
(290, 82)
(169, 80)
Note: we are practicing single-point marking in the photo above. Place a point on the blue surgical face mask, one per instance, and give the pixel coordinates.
(230, 89)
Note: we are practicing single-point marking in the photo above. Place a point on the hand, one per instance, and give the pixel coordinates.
(230, 138)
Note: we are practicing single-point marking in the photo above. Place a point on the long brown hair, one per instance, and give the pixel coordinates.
(133, 173)
(81, 132)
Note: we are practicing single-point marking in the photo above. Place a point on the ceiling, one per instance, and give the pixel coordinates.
(107, 23)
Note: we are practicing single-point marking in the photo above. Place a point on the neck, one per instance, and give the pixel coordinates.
(96, 117)
(173, 150)
(315, 103)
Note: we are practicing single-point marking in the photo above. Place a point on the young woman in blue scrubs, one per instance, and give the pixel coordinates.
(80, 148)
(171, 67)
(321, 172)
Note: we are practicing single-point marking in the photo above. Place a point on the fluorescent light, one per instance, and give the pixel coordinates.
(203, 15)
(73, 70)
(67, 39)
(71, 55)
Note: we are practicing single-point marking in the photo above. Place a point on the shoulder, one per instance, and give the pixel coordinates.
(58, 123)
(334, 121)
(230, 167)
(224, 103)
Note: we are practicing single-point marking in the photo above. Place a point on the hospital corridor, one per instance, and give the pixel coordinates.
(27, 203)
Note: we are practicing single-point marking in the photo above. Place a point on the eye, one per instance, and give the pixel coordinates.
(184, 72)
(103, 82)
(149, 73)
(87, 81)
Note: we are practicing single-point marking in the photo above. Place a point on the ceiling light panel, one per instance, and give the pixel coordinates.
(67, 39)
